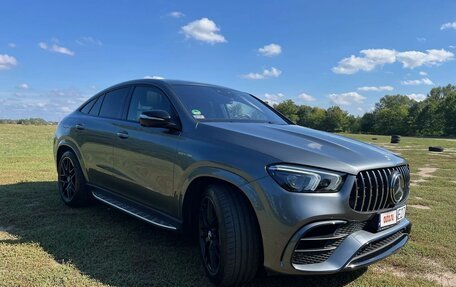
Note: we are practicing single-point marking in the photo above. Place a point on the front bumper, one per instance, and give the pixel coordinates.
(357, 250)
(285, 216)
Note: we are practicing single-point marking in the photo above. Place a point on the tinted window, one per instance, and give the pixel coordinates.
(221, 104)
(96, 108)
(147, 99)
(88, 106)
(113, 104)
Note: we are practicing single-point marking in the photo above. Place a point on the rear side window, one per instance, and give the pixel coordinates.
(96, 108)
(88, 106)
(148, 99)
(113, 103)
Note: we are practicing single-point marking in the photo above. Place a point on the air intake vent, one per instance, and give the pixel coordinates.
(317, 244)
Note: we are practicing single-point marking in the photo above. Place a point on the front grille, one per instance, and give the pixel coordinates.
(378, 245)
(319, 243)
(371, 190)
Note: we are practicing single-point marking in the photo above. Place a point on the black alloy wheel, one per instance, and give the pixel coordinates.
(67, 179)
(71, 181)
(209, 236)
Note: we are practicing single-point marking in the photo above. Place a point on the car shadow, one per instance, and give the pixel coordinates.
(112, 247)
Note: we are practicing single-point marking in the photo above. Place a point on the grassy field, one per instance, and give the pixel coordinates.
(44, 243)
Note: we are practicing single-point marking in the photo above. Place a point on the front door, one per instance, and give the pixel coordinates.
(144, 157)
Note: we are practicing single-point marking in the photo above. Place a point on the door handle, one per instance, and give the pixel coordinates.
(122, 135)
(79, 127)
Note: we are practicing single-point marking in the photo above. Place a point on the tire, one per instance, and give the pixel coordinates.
(374, 139)
(395, 137)
(436, 149)
(71, 181)
(395, 141)
(230, 247)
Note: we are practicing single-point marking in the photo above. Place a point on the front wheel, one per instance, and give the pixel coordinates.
(229, 237)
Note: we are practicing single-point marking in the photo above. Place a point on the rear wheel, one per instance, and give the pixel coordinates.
(229, 237)
(71, 183)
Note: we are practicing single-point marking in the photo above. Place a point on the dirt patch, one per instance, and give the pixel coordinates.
(442, 276)
(423, 173)
(426, 171)
(418, 206)
(419, 198)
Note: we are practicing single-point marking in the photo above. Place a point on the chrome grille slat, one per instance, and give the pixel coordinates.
(371, 189)
(376, 189)
(356, 195)
(363, 190)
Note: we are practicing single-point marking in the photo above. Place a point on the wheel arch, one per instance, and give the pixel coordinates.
(195, 188)
(65, 146)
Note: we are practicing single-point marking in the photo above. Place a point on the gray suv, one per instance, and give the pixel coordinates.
(255, 190)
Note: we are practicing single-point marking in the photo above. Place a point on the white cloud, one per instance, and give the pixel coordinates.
(375, 89)
(89, 41)
(378, 57)
(417, 97)
(154, 77)
(346, 98)
(23, 86)
(452, 46)
(371, 59)
(421, 39)
(306, 97)
(176, 14)
(270, 50)
(12, 45)
(204, 30)
(449, 25)
(267, 73)
(413, 59)
(55, 48)
(50, 105)
(423, 81)
(423, 73)
(273, 99)
(7, 62)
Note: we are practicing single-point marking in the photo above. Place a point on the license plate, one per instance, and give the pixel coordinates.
(391, 217)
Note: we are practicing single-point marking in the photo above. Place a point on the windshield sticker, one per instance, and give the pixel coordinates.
(199, 117)
(196, 112)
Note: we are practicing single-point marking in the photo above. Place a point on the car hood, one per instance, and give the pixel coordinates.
(303, 146)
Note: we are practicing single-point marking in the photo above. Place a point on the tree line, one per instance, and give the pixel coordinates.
(393, 114)
(30, 121)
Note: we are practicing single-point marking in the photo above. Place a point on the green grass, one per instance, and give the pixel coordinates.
(45, 243)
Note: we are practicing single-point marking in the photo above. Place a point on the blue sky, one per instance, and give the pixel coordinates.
(56, 54)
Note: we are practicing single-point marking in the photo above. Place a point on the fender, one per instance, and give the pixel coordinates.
(225, 175)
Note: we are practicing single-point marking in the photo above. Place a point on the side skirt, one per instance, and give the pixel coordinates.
(137, 210)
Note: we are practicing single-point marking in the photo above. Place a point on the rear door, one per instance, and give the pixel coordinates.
(144, 157)
(98, 133)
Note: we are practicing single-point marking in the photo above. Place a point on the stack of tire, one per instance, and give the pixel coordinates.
(395, 139)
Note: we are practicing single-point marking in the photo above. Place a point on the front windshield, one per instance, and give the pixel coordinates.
(221, 104)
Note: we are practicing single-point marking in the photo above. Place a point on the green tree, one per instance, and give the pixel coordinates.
(391, 114)
(289, 109)
(336, 119)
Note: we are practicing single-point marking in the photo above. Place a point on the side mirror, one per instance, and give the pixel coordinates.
(157, 119)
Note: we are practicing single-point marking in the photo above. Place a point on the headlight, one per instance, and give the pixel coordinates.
(300, 179)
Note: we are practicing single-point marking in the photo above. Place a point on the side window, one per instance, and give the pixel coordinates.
(96, 108)
(113, 103)
(147, 99)
(88, 106)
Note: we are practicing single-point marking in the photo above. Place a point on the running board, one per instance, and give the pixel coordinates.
(134, 209)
